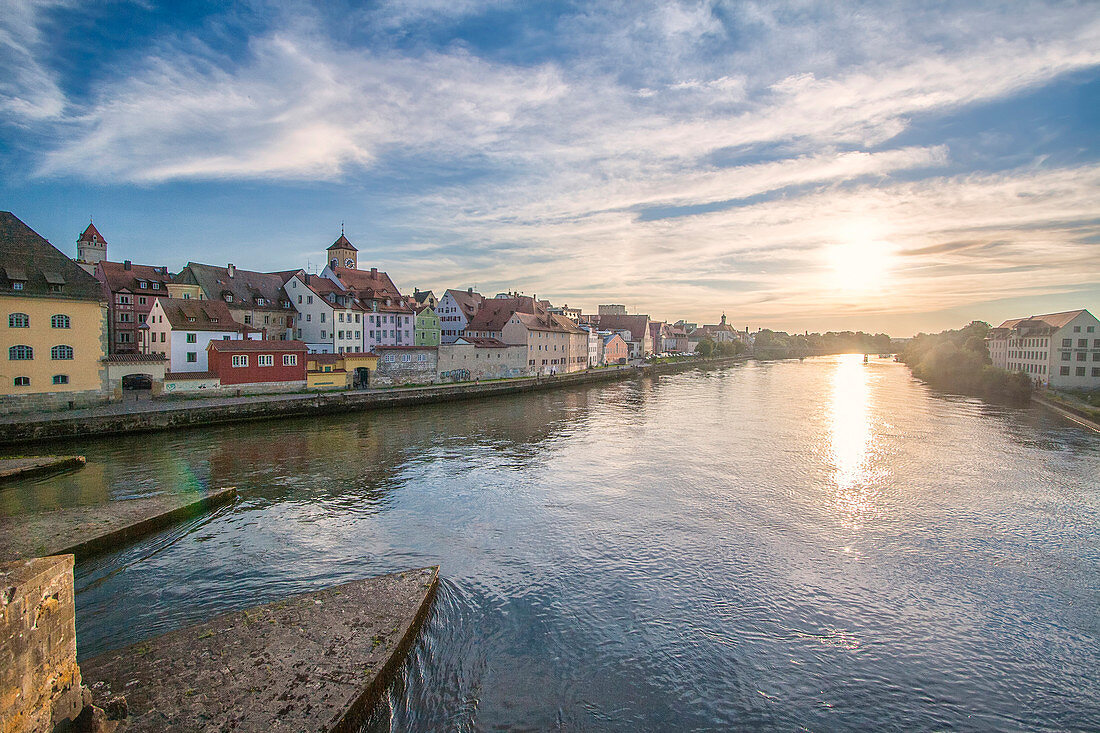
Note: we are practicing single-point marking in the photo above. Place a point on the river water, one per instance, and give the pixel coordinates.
(820, 545)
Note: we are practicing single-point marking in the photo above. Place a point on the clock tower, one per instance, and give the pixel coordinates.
(342, 253)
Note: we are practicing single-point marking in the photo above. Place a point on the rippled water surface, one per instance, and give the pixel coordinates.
(821, 545)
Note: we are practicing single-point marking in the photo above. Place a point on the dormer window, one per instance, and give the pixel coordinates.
(143, 285)
(190, 319)
(229, 297)
(156, 286)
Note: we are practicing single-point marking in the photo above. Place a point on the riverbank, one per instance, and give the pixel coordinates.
(1077, 415)
(12, 469)
(157, 415)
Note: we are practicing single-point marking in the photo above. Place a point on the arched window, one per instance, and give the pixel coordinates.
(61, 379)
(61, 352)
(22, 381)
(19, 320)
(59, 321)
(20, 353)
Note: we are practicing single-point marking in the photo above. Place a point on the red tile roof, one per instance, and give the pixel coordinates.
(342, 243)
(469, 302)
(91, 234)
(242, 346)
(495, 312)
(119, 278)
(483, 343)
(200, 315)
(636, 324)
(1057, 320)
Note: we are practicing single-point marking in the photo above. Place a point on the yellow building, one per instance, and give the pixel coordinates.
(350, 370)
(54, 323)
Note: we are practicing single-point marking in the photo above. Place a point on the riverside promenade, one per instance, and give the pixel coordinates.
(165, 414)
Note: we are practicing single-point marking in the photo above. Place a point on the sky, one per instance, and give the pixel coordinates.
(801, 165)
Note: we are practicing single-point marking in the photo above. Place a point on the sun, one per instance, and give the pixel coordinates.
(860, 265)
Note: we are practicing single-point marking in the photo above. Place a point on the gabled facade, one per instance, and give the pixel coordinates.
(390, 321)
(131, 290)
(1061, 350)
(182, 330)
(91, 248)
(637, 326)
(54, 327)
(455, 310)
(421, 298)
(494, 313)
(427, 330)
(614, 349)
(554, 344)
(280, 364)
(255, 299)
(330, 320)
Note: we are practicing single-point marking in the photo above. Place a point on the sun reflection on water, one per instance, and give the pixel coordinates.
(852, 438)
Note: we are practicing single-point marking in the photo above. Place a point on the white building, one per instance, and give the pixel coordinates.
(1060, 350)
(330, 320)
(455, 310)
(182, 329)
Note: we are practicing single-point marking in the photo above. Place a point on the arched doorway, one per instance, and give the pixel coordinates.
(137, 387)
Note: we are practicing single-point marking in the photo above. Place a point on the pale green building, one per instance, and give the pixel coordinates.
(427, 329)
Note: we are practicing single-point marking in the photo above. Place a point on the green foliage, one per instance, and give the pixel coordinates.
(730, 348)
(705, 348)
(780, 345)
(958, 361)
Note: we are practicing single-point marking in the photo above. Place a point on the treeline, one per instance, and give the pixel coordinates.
(708, 348)
(958, 361)
(780, 345)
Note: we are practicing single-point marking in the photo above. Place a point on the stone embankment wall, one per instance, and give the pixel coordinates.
(39, 677)
(261, 407)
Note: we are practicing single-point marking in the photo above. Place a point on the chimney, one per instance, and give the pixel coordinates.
(470, 291)
(416, 291)
(374, 272)
(127, 265)
(231, 270)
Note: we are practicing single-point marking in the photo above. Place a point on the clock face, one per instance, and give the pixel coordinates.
(349, 263)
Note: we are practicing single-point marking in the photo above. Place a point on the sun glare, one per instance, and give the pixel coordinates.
(860, 262)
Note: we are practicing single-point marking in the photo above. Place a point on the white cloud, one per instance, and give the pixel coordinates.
(28, 90)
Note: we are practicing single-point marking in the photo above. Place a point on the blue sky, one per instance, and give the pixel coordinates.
(798, 165)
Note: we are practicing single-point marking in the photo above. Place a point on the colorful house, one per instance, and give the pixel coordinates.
(54, 324)
(182, 330)
(267, 365)
(132, 290)
(427, 331)
(350, 370)
(254, 299)
(455, 310)
(615, 349)
(330, 319)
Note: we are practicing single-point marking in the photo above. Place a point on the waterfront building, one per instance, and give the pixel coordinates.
(719, 333)
(470, 358)
(182, 330)
(593, 345)
(330, 319)
(131, 290)
(409, 364)
(255, 299)
(495, 312)
(1060, 350)
(614, 348)
(455, 310)
(349, 370)
(91, 248)
(389, 319)
(55, 324)
(554, 343)
(635, 330)
(675, 339)
(258, 365)
(427, 329)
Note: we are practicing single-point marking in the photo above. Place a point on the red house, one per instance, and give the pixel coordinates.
(274, 363)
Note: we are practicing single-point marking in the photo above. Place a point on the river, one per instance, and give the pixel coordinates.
(785, 545)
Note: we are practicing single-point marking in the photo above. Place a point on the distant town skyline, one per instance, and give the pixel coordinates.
(798, 166)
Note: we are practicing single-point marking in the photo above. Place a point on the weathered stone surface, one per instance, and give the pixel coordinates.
(39, 677)
(86, 530)
(16, 468)
(314, 662)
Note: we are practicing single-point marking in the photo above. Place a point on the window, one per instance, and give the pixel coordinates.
(125, 300)
(22, 381)
(143, 300)
(1065, 356)
(248, 320)
(192, 338)
(1077, 329)
(162, 336)
(322, 317)
(324, 333)
(290, 360)
(229, 297)
(1096, 371)
(192, 357)
(1080, 371)
(61, 379)
(341, 317)
(1064, 371)
(19, 320)
(143, 285)
(309, 300)
(389, 357)
(1067, 342)
(240, 360)
(299, 300)
(1090, 329)
(156, 286)
(17, 285)
(124, 337)
(1096, 356)
(61, 352)
(265, 360)
(1082, 343)
(406, 357)
(142, 318)
(421, 357)
(1081, 356)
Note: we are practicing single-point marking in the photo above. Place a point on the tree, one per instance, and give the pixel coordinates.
(705, 348)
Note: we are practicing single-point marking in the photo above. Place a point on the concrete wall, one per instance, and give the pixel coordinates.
(466, 362)
(39, 677)
(397, 372)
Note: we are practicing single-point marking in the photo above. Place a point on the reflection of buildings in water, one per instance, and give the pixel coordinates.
(81, 487)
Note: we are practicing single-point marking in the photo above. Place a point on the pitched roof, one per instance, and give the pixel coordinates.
(371, 285)
(482, 343)
(119, 278)
(200, 315)
(495, 312)
(42, 268)
(249, 345)
(91, 234)
(1056, 320)
(468, 300)
(421, 296)
(636, 324)
(547, 322)
(245, 286)
(342, 243)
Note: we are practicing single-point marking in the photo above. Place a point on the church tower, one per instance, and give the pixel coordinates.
(90, 248)
(342, 253)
